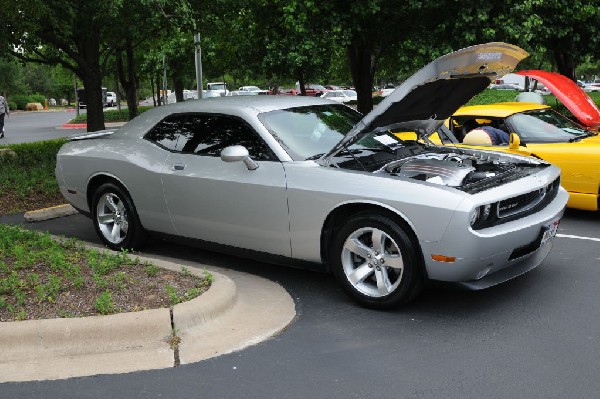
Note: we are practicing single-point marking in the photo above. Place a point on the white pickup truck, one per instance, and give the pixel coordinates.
(219, 87)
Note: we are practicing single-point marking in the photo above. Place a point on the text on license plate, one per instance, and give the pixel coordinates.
(549, 231)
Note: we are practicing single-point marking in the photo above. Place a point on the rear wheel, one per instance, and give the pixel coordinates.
(375, 261)
(115, 218)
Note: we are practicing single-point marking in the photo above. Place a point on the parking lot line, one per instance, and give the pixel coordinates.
(578, 237)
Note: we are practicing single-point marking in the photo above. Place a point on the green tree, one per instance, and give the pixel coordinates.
(569, 31)
(552, 31)
(11, 78)
(63, 32)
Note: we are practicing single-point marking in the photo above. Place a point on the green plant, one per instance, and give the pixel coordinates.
(119, 281)
(36, 269)
(104, 303)
(31, 170)
(20, 101)
(111, 115)
(208, 277)
(172, 294)
(151, 270)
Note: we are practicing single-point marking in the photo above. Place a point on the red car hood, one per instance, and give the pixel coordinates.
(571, 95)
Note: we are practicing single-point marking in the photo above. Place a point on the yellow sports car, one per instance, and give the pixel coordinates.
(536, 130)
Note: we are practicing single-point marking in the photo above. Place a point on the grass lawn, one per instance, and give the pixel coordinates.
(43, 278)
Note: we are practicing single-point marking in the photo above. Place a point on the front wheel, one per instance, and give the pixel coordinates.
(376, 262)
(115, 218)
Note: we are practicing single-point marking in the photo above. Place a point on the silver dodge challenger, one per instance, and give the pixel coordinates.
(308, 181)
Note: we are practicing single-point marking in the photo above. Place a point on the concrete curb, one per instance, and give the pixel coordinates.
(229, 316)
(74, 125)
(108, 125)
(50, 213)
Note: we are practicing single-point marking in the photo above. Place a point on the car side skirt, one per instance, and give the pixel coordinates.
(242, 252)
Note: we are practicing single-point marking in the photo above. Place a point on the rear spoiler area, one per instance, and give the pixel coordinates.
(91, 135)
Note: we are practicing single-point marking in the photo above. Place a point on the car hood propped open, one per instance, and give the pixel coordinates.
(572, 96)
(435, 92)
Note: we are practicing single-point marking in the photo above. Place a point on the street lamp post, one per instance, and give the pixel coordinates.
(198, 64)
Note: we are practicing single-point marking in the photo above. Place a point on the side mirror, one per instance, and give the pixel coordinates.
(514, 142)
(236, 153)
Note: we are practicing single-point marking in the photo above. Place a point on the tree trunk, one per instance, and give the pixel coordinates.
(158, 92)
(127, 77)
(93, 100)
(302, 83)
(153, 93)
(178, 83)
(565, 64)
(362, 70)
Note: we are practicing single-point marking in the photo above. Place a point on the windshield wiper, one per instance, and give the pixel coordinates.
(343, 152)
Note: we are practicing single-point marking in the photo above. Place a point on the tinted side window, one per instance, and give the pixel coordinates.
(209, 134)
(167, 132)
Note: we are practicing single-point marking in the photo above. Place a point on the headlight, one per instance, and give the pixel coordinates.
(480, 215)
(474, 216)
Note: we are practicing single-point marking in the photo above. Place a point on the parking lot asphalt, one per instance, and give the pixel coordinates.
(237, 311)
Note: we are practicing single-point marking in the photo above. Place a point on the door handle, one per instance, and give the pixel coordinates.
(178, 166)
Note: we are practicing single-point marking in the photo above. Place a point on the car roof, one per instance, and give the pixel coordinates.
(241, 106)
(498, 110)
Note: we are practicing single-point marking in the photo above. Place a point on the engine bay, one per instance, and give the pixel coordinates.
(470, 172)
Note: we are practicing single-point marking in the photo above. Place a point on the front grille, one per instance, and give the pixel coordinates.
(521, 205)
(529, 202)
(515, 205)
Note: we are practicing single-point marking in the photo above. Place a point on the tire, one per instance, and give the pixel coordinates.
(379, 276)
(115, 218)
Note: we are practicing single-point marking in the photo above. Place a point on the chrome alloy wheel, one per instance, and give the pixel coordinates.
(372, 262)
(112, 219)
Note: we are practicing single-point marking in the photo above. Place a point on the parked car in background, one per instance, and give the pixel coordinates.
(385, 91)
(342, 96)
(312, 90)
(505, 86)
(187, 95)
(324, 186)
(545, 134)
(111, 99)
(218, 87)
(591, 87)
(82, 97)
(253, 89)
(517, 81)
(242, 93)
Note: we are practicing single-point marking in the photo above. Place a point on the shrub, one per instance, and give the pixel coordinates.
(20, 101)
(32, 167)
(12, 105)
(111, 115)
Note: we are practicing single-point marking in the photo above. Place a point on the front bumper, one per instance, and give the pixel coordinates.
(491, 256)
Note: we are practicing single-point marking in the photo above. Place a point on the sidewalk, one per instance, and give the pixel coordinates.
(239, 310)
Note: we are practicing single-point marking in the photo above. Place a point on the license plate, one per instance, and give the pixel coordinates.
(549, 231)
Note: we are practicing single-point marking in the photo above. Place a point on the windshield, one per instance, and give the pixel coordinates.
(545, 125)
(307, 132)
